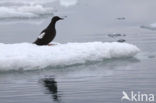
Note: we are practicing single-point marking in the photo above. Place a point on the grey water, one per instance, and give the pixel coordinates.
(96, 82)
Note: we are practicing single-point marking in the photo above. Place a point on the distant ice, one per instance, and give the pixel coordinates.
(31, 11)
(68, 2)
(114, 35)
(30, 8)
(28, 56)
(150, 27)
(121, 18)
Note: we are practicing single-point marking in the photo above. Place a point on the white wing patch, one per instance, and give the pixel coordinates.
(41, 35)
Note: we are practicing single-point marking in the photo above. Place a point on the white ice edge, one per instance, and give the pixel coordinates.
(30, 56)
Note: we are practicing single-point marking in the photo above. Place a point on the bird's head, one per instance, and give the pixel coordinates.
(56, 18)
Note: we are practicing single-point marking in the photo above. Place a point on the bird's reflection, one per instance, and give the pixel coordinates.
(51, 85)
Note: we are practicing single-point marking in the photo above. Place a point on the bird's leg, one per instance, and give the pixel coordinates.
(51, 44)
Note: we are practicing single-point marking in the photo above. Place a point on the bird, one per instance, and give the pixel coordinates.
(49, 33)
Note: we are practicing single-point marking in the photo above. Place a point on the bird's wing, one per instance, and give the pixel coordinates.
(41, 35)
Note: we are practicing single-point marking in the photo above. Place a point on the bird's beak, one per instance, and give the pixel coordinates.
(61, 18)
